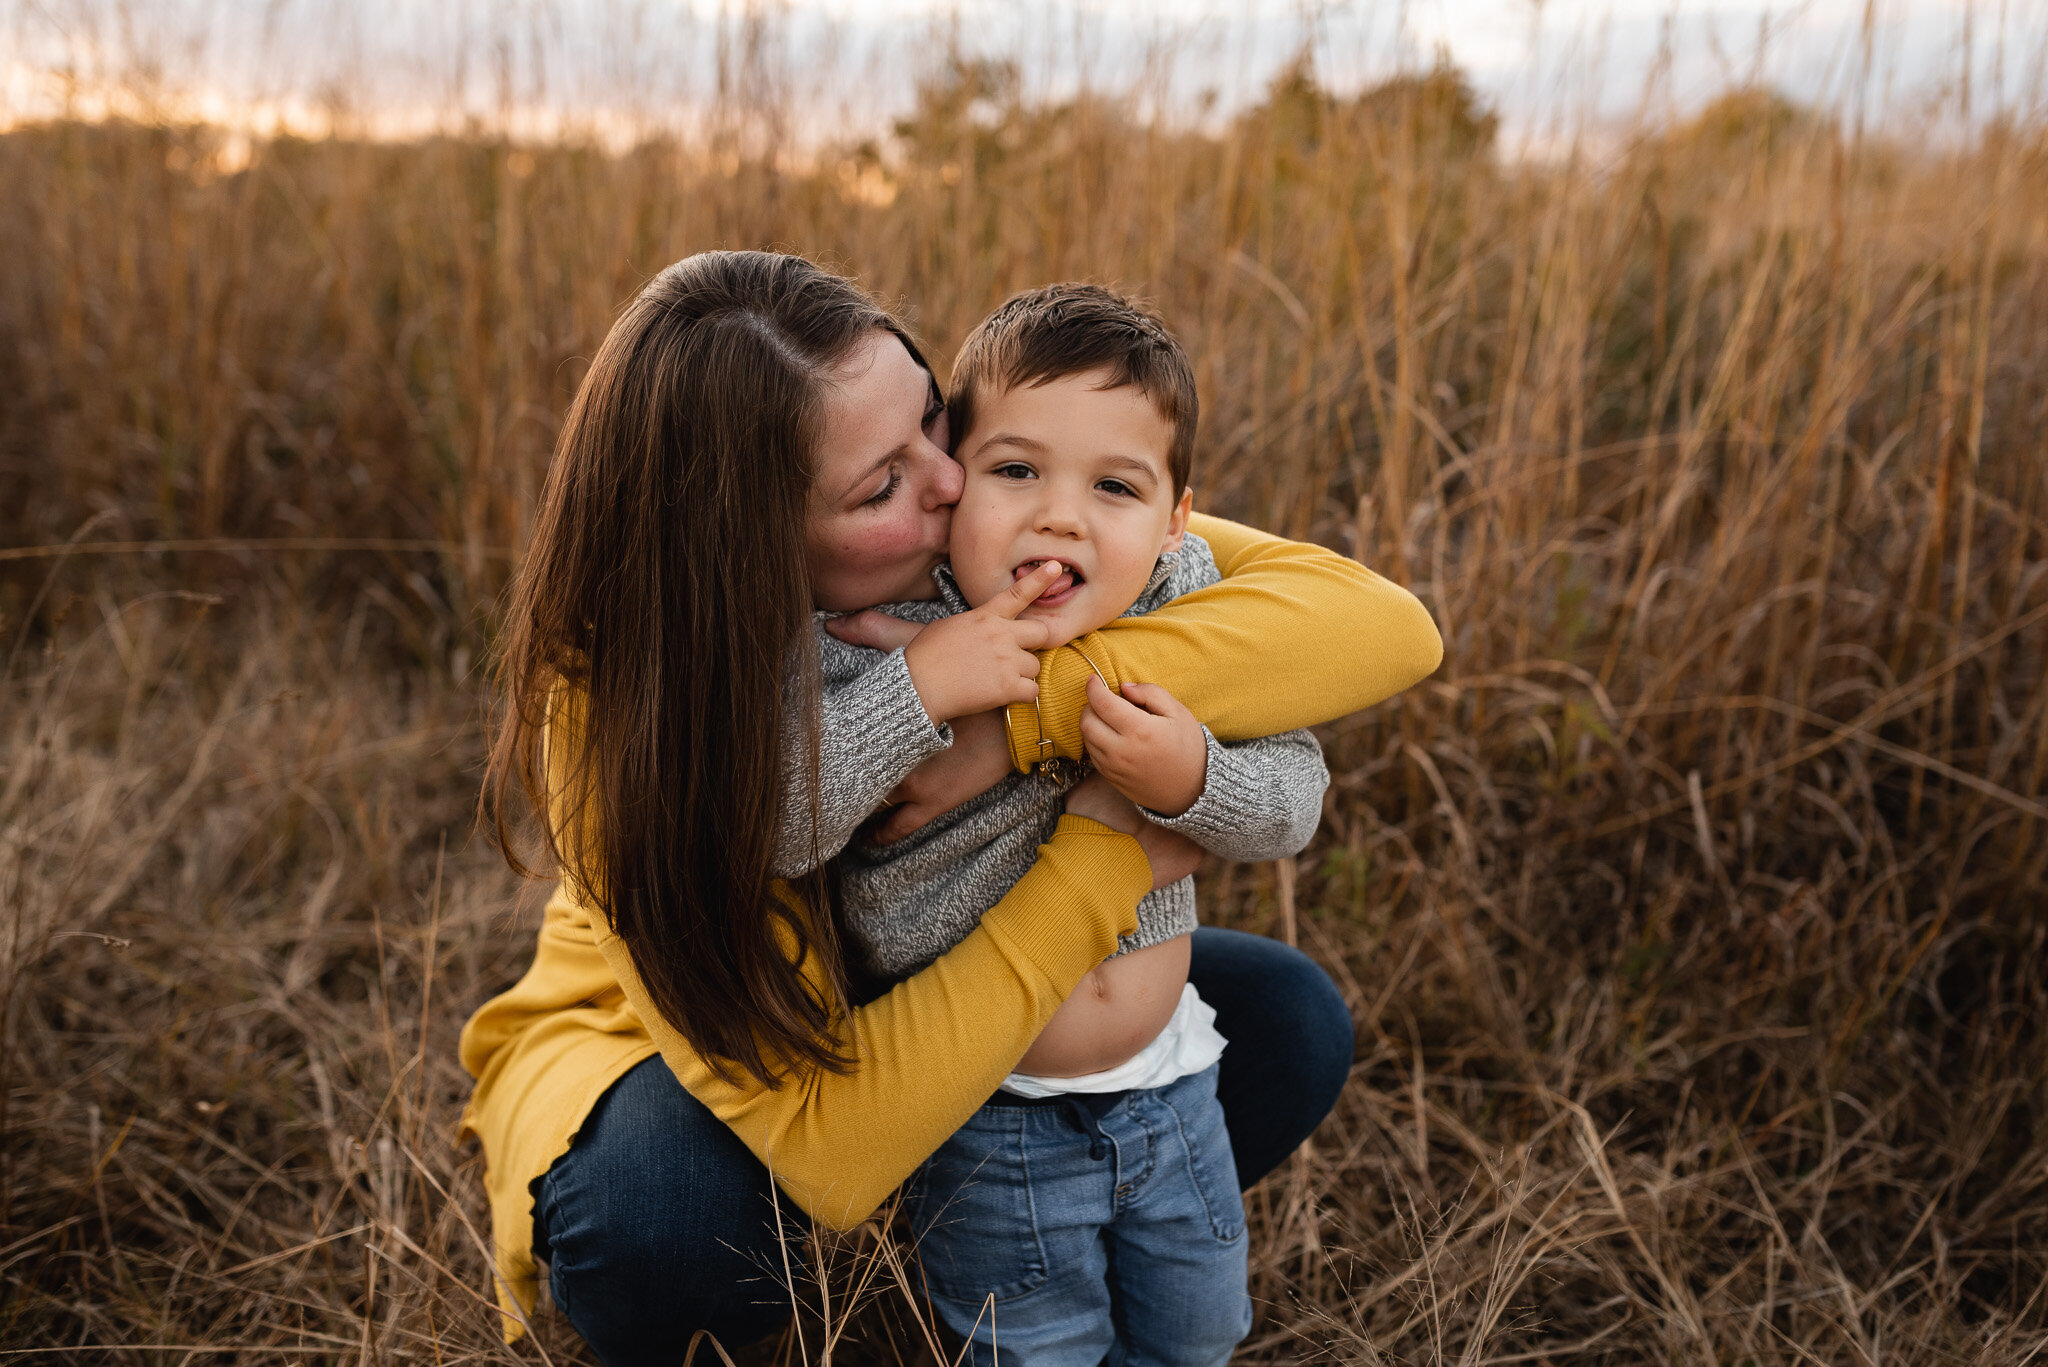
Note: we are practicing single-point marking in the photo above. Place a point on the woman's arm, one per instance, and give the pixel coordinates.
(1293, 636)
(937, 1045)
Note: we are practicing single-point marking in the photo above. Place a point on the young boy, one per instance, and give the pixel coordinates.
(1091, 1205)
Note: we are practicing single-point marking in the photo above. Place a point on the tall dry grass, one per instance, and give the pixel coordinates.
(1692, 916)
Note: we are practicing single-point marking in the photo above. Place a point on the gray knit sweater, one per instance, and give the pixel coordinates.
(908, 902)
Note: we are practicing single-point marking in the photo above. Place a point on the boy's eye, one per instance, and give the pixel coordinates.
(1013, 469)
(1116, 487)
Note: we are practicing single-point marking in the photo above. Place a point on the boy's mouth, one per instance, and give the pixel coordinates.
(1066, 586)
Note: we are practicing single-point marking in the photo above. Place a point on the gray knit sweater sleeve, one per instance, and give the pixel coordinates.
(1262, 798)
(872, 732)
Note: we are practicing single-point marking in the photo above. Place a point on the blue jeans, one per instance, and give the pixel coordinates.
(1081, 1230)
(657, 1222)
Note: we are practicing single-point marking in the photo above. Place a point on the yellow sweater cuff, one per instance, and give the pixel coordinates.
(1063, 675)
(1094, 866)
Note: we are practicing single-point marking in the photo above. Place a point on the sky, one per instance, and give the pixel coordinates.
(536, 67)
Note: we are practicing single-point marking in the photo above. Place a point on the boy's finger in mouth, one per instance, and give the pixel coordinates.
(1060, 589)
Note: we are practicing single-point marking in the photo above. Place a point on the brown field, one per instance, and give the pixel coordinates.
(1692, 916)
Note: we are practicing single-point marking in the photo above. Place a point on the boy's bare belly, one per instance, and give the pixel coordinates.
(1117, 1010)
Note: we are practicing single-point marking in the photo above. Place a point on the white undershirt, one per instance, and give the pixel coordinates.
(1189, 1043)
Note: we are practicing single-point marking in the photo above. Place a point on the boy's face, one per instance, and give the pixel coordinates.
(1069, 472)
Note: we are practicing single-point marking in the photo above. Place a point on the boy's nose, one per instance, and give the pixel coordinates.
(1060, 508)
(1058, 517)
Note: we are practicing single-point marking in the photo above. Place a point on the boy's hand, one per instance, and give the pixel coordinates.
(1150, 748)
(975, 662)
(977, 761)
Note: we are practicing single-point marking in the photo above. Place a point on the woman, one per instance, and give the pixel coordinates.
(755, 438)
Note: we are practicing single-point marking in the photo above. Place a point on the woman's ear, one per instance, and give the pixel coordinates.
(1177, 524)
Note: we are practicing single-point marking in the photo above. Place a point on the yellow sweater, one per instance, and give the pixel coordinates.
(1295, 635)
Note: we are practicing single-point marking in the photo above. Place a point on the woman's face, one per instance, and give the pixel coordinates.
(882, 501)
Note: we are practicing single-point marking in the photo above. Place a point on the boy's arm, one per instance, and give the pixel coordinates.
(879, 705)
(872, 730)
(1261, 799)
(1293, 636)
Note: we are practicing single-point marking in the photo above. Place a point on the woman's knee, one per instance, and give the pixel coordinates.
(1291, 1041)
(1276, 998)
(658, 1222)
(1329, 1037)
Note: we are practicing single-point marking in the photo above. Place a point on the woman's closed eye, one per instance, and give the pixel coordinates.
(883, 494)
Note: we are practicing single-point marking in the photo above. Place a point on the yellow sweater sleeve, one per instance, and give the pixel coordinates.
(936, 1046)
(1293, 636)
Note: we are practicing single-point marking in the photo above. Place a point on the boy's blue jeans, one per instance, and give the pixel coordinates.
(658, 1222)
(1079, 1230)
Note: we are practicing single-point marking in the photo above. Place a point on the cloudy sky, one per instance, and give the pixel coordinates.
(404, 65)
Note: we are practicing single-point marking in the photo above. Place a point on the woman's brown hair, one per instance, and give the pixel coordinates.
(660, 614)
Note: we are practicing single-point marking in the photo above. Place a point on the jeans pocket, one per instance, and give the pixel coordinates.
(1212, 1167)
(971, 1212)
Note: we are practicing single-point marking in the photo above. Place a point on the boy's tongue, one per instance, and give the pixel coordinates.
(1052, 590)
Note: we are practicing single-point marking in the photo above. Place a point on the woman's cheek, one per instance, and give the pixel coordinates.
(859, 566)
(885, 542)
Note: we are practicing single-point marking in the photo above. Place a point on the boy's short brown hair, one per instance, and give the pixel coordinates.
(1050, 333)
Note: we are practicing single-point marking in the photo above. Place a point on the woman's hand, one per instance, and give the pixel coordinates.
(976, 661)
(977, 761)
(1171, 855)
